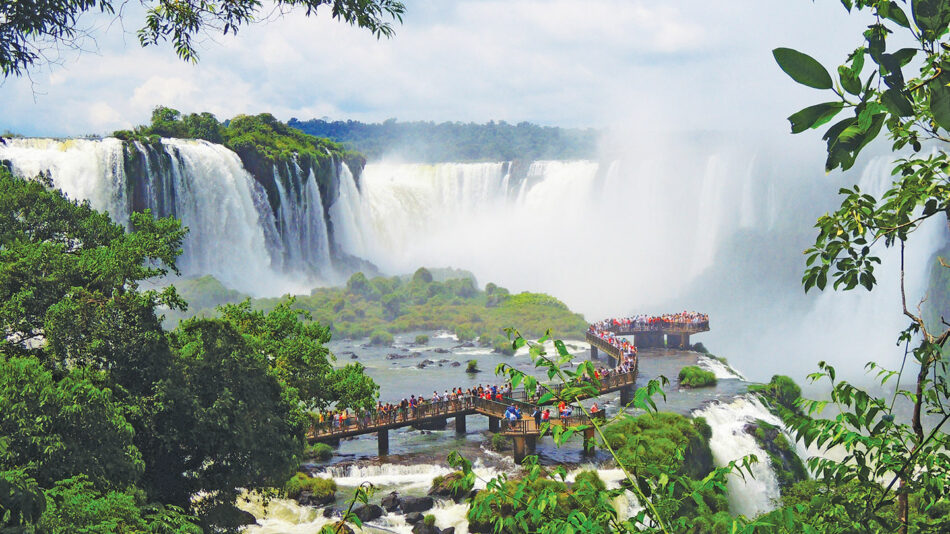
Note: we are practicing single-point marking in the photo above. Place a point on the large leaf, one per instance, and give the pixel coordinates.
(897, 103)
(849, 80)
(940, 101)
(802, 68)
(814, 116)
(932, 17)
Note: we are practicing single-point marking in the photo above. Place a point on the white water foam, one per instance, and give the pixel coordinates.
(753, 495)
(720, 369)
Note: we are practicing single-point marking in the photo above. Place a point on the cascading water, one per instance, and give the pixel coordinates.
(749, 496)
(233, 232)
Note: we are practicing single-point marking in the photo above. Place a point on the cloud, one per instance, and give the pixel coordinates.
(677, 65)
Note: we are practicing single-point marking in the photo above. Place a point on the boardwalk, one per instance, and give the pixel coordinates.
(523, 432)
(604, 337)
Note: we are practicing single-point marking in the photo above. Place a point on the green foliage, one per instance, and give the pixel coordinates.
(30, 26)
(422, 275)
(471, 366)
(692, 376)
(422, 339)
(780, 390)
(21, 500)
(319, 451)
(913, 108)
(499, 443)
(321, 488)
(431, 142)
(363, 308)
(381, 337)
(75, 506)
(786, 464)
(662, 439)
(429, 520)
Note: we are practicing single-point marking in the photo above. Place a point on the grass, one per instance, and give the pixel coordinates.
(319, 487)
(319, 451)
(692, 376)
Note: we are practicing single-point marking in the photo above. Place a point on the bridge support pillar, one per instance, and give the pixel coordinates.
(626, 395)
(684, 341)
(532, 443)
(520, 449)
(588, 441)
(459, 424)
(493, 423)
(593, 353)
(382, 440)
(333, 442)
(672, 341)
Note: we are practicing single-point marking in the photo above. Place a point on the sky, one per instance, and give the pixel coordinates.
(672, 65)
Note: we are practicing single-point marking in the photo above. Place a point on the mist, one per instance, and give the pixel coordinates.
(663, 222)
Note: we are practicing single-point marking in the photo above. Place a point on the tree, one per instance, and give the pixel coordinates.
(31, 28)
(914, 110)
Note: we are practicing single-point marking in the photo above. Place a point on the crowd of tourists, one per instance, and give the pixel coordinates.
(652, 322)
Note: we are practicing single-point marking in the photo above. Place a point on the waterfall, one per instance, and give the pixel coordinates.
(233, 233)
(750, 496)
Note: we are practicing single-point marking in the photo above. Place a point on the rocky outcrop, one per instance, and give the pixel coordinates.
(416, 504)
(368, 512)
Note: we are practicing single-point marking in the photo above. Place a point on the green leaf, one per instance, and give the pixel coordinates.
(802, 68)
(897, 103)
(814, 116)
(546, 398)
(932, 17)
(849, 80)
(940, 101)
(893, 12)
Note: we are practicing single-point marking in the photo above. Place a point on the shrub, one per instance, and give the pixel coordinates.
(699, 347)
(422, 339)
(422, 275)
(781, 390)
(429, 520)
(381, 338)
(319, 487)
(472, 366)
(694, 377)
(464, 333)
(499, 442)
(319, 451)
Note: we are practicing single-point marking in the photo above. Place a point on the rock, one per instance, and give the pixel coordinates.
(391, 502)
(441, 350)
(368, 512)
(354, 357)
(245, 518)
(416, 504)
(422, 528)
(440, 365)
(307, 498)
(329, 512)
(456, 364)
(466, 345)
(427, 361)
(421, 365)
(414, 517)
(448, 530)
(341, 528)
(397, 356)
(443, 487)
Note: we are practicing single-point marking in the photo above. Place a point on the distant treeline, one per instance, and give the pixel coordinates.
(455, 141)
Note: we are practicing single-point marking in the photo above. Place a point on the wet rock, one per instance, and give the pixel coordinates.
(441, 350)
(444, 487)
(416, 504)
(354, 357)
(455, 364)
(368, 512)
(341, 528)
(307, 498)
(329, 512)
(391, 502)
(448, 530)
(397, 356)
(466, 345)
(422, 528)
(414, 517)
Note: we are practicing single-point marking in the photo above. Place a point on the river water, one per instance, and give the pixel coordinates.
(416, 457)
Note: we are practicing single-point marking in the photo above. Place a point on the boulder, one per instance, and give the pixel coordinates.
(341, 528)
(390, 502)
(329, 512)
(422, 528)
(368, 512)
(448, 530)
(443, 487)
(307, 498)
(456, 364)
(354, 357)
(441, 350)
(414, 517)
(416, 504)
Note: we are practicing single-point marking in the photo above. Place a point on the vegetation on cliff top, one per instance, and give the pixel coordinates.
(429, 142)
(692, 376)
